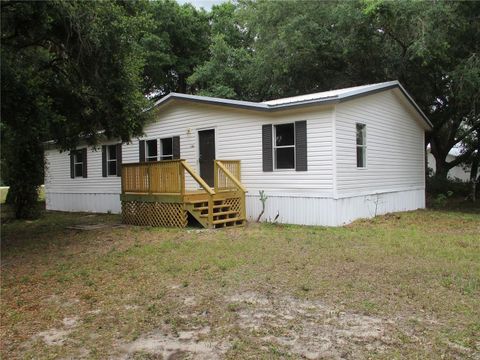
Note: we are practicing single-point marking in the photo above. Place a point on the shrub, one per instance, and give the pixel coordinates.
(456, 187)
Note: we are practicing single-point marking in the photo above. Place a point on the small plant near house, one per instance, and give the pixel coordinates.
(263, 199)
(375, 199)
(440, 201)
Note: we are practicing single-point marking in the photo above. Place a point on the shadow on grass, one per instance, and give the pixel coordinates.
(45, 230)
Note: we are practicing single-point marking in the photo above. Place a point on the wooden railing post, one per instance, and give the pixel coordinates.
(149, 178)
(122, 179)
(181, 173)
(215, 175)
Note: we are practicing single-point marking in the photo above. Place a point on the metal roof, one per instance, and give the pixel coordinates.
(320, 98)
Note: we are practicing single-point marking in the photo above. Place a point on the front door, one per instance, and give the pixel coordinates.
(206, 140)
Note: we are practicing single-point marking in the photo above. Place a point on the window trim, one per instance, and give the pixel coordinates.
(362, 146)
(147, 157)
(111, 160)
(75, 163)
(162, 155)
(275, 147)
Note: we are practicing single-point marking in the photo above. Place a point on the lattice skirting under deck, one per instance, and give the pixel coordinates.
(154, 214)
(234, 203)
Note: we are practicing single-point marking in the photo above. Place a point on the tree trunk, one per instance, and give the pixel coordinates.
(474, 177)
(441, 169)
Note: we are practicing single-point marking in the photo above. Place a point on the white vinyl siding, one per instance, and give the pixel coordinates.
(58, 180)
(238, 135)
(395, 156)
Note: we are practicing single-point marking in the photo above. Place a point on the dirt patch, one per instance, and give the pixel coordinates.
(310, 329)
(57, 336)
(183, 344)
(189, 301)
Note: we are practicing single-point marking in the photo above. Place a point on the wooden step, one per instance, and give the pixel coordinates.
(223, 221)
(201, 208)
(220, 213)
(195, 202)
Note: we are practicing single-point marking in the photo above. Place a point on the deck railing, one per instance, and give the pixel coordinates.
(221, 180)
(159, 177)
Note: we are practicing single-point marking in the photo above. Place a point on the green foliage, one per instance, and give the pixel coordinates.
(437, 185)
(440, 200)
(177, 41)
(70, 70)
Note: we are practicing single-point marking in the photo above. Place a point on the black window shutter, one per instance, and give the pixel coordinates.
(267, 147)
(72, 166)
(141, 150)
(301, 145)
(176, 147)
(104, 160)
(119, 159)
(84, 156)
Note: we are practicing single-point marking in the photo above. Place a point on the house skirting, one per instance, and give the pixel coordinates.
(89, 202)
(291, 209)
(303, 210)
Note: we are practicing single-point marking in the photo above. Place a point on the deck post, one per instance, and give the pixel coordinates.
(181, 174)
(122, 179)
(149, 177)
(215, 175)
(210, 211)
(243, 210)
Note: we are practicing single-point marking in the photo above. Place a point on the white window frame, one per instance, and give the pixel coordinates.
(275, 147)
(362, 146)
(114, 146)
(75, 163)
(147, 157)
(162, 155)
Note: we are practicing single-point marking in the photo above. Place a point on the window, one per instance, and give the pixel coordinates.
(151, 150)
(361, 145)
(284, 146)
(166, 149)
(112, 160)
(78, 163)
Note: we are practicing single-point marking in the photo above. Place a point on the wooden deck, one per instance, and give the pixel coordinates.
(155, 194)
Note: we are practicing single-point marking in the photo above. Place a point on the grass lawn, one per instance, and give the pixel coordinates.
(405, 285)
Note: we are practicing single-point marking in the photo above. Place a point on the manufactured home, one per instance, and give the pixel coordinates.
(321, 159)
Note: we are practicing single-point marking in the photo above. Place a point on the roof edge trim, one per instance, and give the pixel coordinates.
(257, 106)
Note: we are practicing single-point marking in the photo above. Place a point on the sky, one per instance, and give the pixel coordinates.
(206, 4)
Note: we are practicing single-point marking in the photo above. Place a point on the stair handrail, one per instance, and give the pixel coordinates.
(238, 184)
(206, 187)
(197, 178)
(232, 177)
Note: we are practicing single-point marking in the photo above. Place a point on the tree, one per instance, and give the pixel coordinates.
(177, 42)
(436, 44)
(226, 73)
(71, 73)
